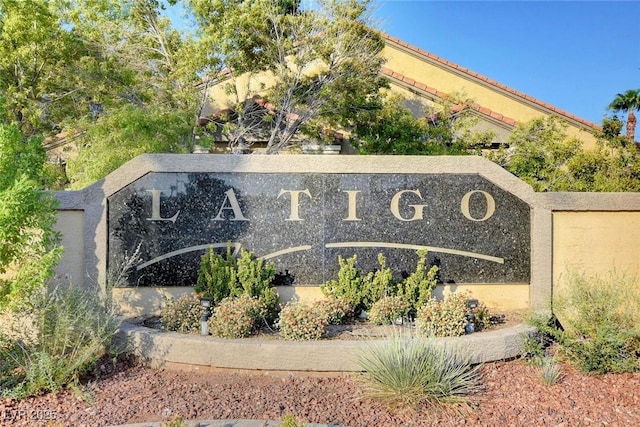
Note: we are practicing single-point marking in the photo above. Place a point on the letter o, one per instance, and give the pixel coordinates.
(491, 206)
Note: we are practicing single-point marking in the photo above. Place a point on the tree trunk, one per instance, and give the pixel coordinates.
(631, 125)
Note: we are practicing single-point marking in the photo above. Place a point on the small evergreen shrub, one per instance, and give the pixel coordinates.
(299, 321)
(256, 278)
(350, 284)
(409, 372)
(235, 317)
(418, 286)
(387, 310)
(378, 284)
(182, 314)
(337, 310)
(446, 318)
(362, 291)
(218, 276)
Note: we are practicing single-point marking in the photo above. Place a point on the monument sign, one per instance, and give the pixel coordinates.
(475, 231)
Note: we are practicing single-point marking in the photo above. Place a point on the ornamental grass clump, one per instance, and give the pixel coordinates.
(300, 321)
(235, 317)
(388, 310)
(182, 314)
(550, 370)
(446, 318)
(413, 372)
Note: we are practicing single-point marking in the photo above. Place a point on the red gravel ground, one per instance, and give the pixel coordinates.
(513, 395)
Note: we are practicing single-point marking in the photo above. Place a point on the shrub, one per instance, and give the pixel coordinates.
(350, 283)
(220, 277)
(73, 330)
(601, 320)
(546, 332)
(417, 287)
(290, 420)
(336, 309)
(388, 309)
(446, 318)
(183, 314)
(29, 248)
(299, 321)
(481, 316)
(217, 277)
(412, 371)
(363, 291)
(377, 284)
(255, 278)
(235, 317)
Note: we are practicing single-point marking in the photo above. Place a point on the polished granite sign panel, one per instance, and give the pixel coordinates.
(163, 223)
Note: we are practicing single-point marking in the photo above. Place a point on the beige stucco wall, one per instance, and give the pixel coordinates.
(70, 224)
(134, 302)
(595, 243)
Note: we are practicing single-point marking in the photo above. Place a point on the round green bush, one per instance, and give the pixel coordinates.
(182, 314)
(300, 321)
(446, 318)
(235, 317)
(388, 309)
(337, 309)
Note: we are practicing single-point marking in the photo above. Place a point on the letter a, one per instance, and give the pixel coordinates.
(230, 196)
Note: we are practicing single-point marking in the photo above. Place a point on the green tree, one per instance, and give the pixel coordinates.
(37, 60)
(119, 136)
(29, 248)
(445, 129)
(323, 63)
(544, 156)
(144, 76)
(628, 102)
(139, 58)
(390, 129)
(541, 150)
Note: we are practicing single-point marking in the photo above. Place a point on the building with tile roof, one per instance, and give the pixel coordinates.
(424, 80)
(424, 77)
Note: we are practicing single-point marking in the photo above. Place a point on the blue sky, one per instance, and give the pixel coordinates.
(575, 55)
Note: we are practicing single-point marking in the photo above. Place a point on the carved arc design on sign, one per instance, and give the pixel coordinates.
(237, 246)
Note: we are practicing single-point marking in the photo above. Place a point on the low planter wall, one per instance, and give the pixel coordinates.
(169, 349)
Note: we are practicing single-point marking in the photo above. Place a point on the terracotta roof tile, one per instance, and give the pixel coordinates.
(421, 86)
(409, 81)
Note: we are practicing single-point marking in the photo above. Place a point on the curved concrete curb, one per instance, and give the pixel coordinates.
(163, 349)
